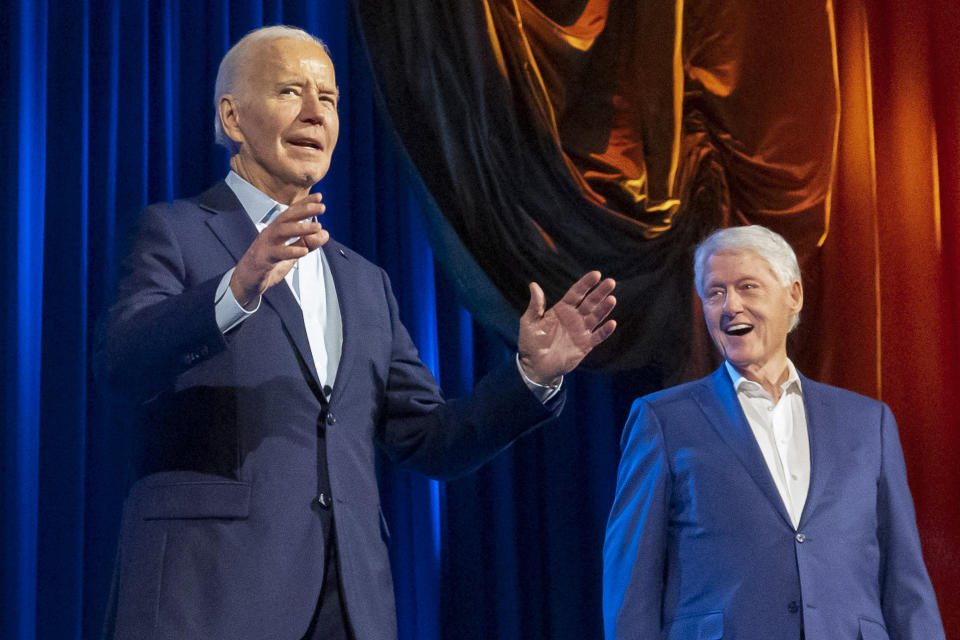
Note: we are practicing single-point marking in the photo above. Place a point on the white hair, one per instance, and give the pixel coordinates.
(231, 68)
(768, 244)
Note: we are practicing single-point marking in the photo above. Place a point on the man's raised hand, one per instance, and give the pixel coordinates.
(289, 237)
(554, 341)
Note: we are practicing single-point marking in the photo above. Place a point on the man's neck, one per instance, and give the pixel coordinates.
(283, 193)
(770, 375)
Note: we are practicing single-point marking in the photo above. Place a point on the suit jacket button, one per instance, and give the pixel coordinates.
(323, 500)
(331, 420)
(801, 538)
(793, 607)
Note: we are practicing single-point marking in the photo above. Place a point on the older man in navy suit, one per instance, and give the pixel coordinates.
(756, 503)
(268, 361)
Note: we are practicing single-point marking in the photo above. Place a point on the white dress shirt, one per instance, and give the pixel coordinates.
(781, 431)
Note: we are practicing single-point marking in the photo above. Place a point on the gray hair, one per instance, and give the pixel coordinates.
(768, 244)
(230, 70)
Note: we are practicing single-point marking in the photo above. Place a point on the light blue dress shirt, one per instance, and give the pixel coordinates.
(309, 280)
(312, 286)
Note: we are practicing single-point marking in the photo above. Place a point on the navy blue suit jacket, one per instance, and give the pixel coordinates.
(699, 544)
(219, 538)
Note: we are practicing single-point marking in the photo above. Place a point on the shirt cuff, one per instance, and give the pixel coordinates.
(228, 311)
(544, 392)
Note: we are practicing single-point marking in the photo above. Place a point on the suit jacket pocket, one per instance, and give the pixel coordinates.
(707, 626)
(870, 630)
(195, 500)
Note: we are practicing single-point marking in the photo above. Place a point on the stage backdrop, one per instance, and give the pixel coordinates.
(560, 135)
(108, 106)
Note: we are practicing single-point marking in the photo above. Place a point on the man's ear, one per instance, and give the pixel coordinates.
(796, 296)
(230, 117)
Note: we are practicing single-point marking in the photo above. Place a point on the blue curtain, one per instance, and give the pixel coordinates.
(107, 106)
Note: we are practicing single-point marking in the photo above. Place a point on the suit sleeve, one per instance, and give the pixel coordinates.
(160, 325)
(635, 545)
(444, 439)
(909, 604)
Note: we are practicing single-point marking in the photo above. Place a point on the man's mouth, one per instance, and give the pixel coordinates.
(738, 329)
(307, 143)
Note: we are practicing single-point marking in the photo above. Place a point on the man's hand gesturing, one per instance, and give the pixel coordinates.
(553, 342)
(270, 256)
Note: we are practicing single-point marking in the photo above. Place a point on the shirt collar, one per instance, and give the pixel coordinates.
(743, 385)
(259, 206)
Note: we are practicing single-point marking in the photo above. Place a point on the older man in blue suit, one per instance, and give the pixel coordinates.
(757, 504)
(268, 360)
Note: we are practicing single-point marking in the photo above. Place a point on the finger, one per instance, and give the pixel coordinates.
(599, 312)
(316, 240)
(310, 197)
(595, 312)
(301, 214)
(287, 252)
(598, 295)
(578, 291)
(284, 231)
(303, 209)
(537, 302)
(602, 332)
(298, 228)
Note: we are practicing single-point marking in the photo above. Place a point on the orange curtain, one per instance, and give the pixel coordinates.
(680, 116)
(642, 97)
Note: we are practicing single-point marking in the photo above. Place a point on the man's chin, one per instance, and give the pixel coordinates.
(731, 348)
(312, 176)
(739, 358)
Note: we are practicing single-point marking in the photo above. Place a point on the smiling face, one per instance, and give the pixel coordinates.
(749, 312)
(283, 114)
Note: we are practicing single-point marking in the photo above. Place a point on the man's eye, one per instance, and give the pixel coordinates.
(291, 91)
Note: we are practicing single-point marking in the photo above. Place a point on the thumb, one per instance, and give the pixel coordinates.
(537, 302)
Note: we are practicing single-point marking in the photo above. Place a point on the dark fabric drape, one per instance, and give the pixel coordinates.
(556, 141)
(560, 135)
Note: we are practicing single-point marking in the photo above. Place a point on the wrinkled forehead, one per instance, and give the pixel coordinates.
(282, 58)
(738, 263)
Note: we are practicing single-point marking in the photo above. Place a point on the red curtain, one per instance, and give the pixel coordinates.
(892, 262)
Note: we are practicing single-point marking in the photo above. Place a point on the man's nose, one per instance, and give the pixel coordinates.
(310, 109)
(732, 302)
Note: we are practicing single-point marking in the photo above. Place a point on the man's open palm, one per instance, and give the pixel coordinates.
(554, 341)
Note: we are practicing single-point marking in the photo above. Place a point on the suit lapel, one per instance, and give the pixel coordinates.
(233, 228)
(821, 421)
(718, 400)
(345, 281)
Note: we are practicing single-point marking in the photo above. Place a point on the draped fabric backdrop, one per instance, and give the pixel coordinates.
(561, 135)
(107, 106)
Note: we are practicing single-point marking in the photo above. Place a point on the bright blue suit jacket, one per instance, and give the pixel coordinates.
(699, 545)
(219, 536)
